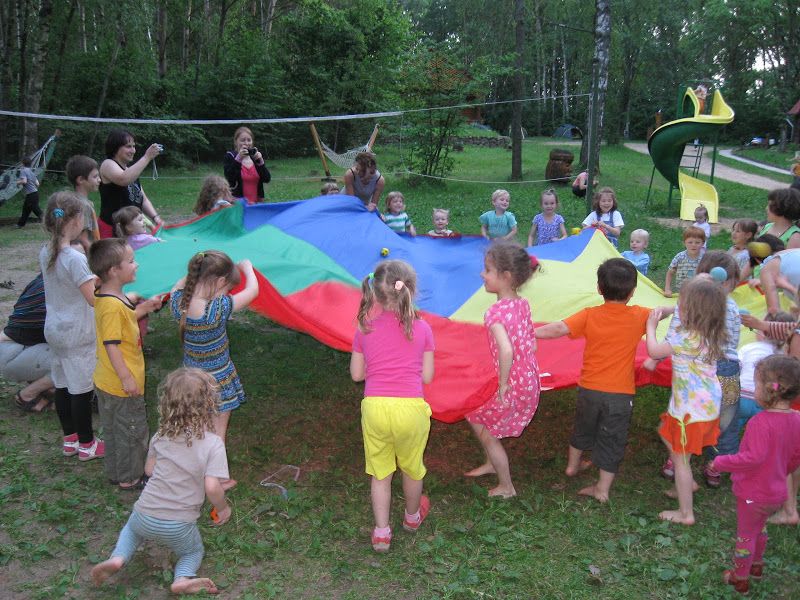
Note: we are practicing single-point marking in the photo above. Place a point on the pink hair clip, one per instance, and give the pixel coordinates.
(775, 386)
(398, 285)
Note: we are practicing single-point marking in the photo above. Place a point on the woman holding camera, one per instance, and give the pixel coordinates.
(119, 180)
(245, 169)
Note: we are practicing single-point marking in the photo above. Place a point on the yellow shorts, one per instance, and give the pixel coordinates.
(395, 435)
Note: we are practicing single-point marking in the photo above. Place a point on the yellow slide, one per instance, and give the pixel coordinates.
(666, 147)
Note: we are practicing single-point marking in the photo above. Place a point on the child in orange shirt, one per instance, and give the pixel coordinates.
(607, 386)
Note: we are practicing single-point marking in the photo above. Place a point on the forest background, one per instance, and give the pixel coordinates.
(229, 59)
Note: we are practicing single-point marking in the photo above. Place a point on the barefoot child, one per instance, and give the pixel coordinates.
(507, 267)
(186, 462)
(692, 418)
(393, 352)
(770, 451)
(119, 374)
(607, 384)
(202, 304)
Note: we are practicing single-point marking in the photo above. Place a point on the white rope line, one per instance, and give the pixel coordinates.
(507, 182)
(308, 119)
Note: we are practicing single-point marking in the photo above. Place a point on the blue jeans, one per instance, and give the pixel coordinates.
(182, 538)
(748, 408)
(728, 441)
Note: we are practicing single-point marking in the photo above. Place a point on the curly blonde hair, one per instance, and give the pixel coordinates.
(187, 401)
(393, 285)
(214, 188)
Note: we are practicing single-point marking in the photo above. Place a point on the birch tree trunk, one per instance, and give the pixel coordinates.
(161, 32)
(564, 80)
(602, 41)
(519, 86)
(35, 83)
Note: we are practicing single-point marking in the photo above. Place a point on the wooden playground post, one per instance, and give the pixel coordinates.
(372, 137)
(319, 149)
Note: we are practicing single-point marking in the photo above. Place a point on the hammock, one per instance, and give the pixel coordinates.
(8, 180)
(345, 160)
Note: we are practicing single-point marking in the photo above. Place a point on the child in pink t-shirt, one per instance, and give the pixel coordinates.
(769, 452)
(393, 352)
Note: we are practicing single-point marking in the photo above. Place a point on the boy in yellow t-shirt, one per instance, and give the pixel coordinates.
(119, 374)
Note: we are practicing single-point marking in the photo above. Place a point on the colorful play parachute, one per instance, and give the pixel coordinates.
(310, 257)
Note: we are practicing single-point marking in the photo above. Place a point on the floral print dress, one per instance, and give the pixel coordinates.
(509, 419)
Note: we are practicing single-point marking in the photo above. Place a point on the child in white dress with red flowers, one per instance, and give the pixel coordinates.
(507, 267)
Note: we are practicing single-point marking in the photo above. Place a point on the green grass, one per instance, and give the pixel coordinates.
(771, 156)
(59, 517)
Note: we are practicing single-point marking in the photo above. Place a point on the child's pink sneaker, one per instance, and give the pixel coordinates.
(424, 508)
(95, 449)
(381, 542)
(70, 447)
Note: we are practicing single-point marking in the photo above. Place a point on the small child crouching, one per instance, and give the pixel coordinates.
(185, 462)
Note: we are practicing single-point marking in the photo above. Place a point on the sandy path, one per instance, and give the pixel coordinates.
(723, 171)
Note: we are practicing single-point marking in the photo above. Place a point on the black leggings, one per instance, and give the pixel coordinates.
(75, 414)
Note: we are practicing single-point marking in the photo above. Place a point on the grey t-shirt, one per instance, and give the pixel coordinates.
(32, 183)
(176, 490)
(70, 319)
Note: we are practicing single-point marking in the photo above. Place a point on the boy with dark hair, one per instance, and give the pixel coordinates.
(84, 176)
(30, 184)
(607, 385)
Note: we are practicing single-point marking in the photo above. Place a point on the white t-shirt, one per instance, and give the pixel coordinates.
(749, 355)
(70, 319)
(706, 229)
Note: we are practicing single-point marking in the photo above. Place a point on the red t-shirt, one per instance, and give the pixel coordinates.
(250, 179)
(612, 331)
(393, 362)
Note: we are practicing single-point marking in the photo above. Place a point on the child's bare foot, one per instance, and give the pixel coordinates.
(592, 491)
(227, 484)
(193, 585)
(106, 569)
(673, 491)
(582, 466)
(783, 518)
(485, 469)
(676, 516)
(502, 492)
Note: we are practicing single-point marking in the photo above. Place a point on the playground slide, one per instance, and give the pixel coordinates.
(666, 149)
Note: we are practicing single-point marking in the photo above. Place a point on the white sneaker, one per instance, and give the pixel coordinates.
(97, 449)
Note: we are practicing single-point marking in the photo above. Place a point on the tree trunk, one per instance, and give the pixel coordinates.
(35, 83)
(121, 41)
(82, 11)
(7, 21)
(270, 15)
(519, 87)
(161, 32)
(185, 33)
(564, 80)
(62, 49)
(602, 40)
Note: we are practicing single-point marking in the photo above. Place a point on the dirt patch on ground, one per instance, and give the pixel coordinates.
(20, 265)
(725, 224)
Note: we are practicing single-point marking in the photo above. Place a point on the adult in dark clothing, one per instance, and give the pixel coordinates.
(245, 169)
(119, 180)
(24, 353)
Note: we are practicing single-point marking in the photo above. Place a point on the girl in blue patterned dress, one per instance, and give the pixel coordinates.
(547, 226)
(202, 304)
